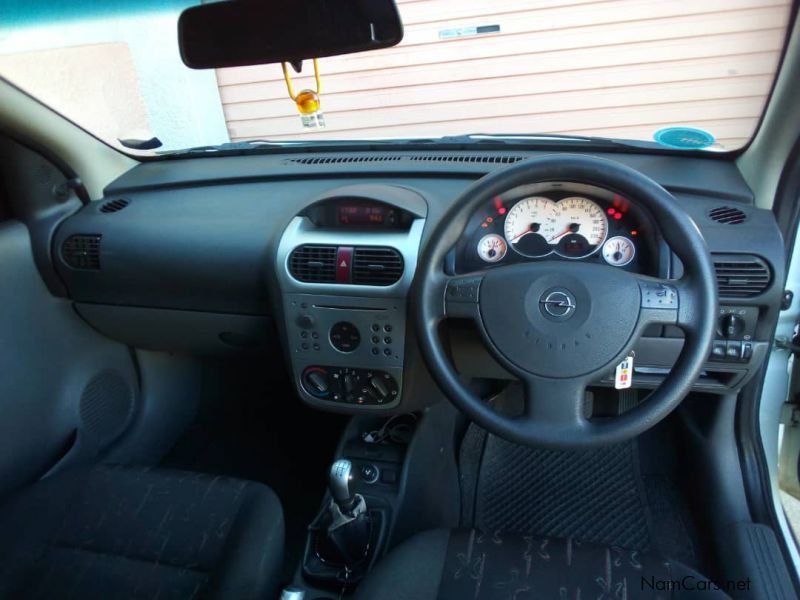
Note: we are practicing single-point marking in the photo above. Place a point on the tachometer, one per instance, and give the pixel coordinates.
(529, 224)
(581, 227)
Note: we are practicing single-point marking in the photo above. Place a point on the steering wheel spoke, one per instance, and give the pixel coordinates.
(662, 301)
(461, 295)
(557, 404)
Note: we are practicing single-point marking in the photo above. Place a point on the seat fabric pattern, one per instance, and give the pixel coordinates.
(121, 532)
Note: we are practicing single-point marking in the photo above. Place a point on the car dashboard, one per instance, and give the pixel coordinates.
(309, 259)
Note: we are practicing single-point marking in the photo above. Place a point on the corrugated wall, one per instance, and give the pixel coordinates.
(619, 68)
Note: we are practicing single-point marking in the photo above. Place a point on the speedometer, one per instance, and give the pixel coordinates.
(581, 227)
(529, 224)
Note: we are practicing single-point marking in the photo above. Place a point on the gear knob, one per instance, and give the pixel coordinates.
(339, 482)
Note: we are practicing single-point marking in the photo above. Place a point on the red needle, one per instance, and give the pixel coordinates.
(565, 232)
(529, 230)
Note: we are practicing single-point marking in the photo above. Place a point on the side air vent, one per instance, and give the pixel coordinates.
(449, 158)
(313, 264)
(82, 251)
(741, 276)
(376, 266)
(727, 215)
(114, 205)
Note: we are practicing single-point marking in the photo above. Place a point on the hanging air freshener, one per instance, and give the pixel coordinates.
(307, 101)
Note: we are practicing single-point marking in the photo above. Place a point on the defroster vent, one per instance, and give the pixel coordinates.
(741, 276)
(82, 251)
(376, 266)
(313, 264)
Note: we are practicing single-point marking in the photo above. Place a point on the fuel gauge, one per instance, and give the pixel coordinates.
(619, 251)
(492, 248)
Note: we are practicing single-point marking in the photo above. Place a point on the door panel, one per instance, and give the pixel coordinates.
(65, 390)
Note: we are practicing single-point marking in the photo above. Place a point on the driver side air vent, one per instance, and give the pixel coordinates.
(741, 276)
(82, 251)
(313, 264)
(376, 266)
(114, 205)
(727, 215)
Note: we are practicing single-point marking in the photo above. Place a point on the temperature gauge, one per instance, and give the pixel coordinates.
(492, 248)
(619, 251)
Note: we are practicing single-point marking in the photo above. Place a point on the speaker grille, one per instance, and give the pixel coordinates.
(727, 215)
(106, 406)
(114, 205)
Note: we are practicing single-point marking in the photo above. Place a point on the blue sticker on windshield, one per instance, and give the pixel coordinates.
(685, 138)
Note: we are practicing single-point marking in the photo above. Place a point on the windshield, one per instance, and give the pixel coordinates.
(625, 69)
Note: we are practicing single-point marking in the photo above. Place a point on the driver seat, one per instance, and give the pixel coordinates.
(444, 564)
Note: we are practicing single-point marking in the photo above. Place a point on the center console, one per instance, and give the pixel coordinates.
(345, 265)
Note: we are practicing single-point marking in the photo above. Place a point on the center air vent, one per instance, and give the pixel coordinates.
(741, 276)
(313, 264)
(727, 215)
(359, 265)
(376, 266)
(82, 251)
(114, 205)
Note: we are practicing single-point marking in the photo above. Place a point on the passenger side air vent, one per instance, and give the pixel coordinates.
(727, 215)
(741, 276)
(450, 158)
(114, 205)
(313, 264)
(82, 251)
(376, 266)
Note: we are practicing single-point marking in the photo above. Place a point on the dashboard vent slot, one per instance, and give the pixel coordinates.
(376, 266)
(502, 160)
(741, 276)
(114, 205)
(339, 160)
(82, 251)
(727, 215)
(313, 264)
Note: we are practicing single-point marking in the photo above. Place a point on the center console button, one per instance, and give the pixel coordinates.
(345, 337)
(306, 321)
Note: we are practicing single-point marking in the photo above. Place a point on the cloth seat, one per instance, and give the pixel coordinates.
(453, 565)
(123, 532)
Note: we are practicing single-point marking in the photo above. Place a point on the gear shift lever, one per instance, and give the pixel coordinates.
(350, 526)
(339, 484)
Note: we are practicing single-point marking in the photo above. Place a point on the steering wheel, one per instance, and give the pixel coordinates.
(560, 325)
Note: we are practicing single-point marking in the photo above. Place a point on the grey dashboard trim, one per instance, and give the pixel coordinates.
(302, 231)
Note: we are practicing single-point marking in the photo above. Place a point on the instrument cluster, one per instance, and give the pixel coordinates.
(556, 221)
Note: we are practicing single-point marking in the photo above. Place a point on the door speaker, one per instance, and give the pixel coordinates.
(106, 407)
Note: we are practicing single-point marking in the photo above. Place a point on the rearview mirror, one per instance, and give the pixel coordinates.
(235, 33)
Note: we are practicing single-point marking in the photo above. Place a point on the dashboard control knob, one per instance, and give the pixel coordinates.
(315, 380)
(306, 321)
(345, 337)
(732, 326)
(379, 386)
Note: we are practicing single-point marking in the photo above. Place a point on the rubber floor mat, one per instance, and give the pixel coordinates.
(592, 495)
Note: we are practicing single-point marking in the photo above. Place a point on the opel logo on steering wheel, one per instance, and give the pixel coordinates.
(558, 304)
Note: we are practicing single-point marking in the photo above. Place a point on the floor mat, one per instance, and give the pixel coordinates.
(594, 495)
